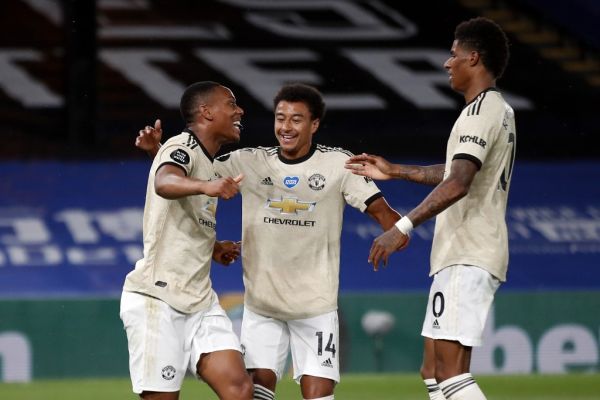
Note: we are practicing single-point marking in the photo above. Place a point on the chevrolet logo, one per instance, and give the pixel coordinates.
(210, 206)
(290, 205)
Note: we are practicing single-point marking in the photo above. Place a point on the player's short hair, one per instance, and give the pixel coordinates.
(299, 92)
(192, 96)
(487, 38)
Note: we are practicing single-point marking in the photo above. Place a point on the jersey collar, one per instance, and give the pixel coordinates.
(206, 153)
(490, 89)
(308, 155)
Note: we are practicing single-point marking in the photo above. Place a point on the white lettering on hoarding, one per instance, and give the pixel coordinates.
(16, 357)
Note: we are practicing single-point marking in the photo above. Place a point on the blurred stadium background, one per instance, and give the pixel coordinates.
(78, 79)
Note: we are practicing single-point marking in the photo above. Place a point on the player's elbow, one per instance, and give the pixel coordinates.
(458, 189)
(164, 189)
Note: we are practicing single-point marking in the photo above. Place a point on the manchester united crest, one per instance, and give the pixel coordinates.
(316, 182)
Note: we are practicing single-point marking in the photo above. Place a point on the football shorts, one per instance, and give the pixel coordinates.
(458, 305)
(313, 342)
(164, 342)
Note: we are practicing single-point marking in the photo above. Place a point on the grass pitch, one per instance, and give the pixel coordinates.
(353, 387)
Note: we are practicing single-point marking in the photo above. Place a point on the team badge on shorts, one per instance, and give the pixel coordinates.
(316, 182)
(168, 372)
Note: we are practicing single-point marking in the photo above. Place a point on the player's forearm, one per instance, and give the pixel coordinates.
(426, 175)
(173, 187)
(381, 212)
(442, 197)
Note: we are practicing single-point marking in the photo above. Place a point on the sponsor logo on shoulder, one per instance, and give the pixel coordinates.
(180, 156)
(291, 181)
(473, 139)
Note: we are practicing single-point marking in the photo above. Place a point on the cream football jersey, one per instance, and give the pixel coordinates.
(292, 214)
(179, 235)
(473, 230)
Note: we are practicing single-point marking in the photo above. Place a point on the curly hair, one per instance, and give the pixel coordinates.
(487, 38)
(299, 92)
(192, 95)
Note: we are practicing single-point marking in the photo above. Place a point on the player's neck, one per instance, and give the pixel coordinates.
(210, 143)
(478, 85)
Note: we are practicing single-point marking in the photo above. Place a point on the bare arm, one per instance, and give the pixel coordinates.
(171, 183)
(448, 192)
(427, 175)
(377, 167)
(381, 212)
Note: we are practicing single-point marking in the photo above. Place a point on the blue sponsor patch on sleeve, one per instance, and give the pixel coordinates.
(180, 156)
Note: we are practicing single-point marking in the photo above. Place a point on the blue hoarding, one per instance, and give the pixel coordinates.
(74, 229)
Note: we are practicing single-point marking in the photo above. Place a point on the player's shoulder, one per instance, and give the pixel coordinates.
(185, 139)
(329, 151)
(488, 102)
(250, 152)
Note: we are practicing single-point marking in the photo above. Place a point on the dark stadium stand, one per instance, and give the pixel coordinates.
(148, 51)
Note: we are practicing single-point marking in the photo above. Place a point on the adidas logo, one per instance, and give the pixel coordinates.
(327, 363)
(436, 324)
(267, 181)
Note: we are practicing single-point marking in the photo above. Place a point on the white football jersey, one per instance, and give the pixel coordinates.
(292, 213)
(473, 230)
(179, 235)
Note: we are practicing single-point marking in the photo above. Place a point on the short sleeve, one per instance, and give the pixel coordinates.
(359, 191)
(176, 154)
(476, 134)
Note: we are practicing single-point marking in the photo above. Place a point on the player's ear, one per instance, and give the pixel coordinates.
(474, 58)
(205, 111)
(314, 125)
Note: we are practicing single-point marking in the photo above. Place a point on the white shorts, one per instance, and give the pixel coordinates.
(458, 305)
(164, 342)
(313, 342)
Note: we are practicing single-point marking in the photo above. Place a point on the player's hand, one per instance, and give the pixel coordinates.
(374, 167)
(385, 244)
(148, 139)
(225, 188)
(226, 252)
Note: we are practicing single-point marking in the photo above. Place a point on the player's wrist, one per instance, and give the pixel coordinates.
(404, 225)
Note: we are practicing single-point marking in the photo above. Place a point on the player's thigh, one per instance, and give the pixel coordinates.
(155, 335)
(211, 333)
(458, 304)
(225, 373)
(314, 344)
(216, 354)
(265, 342)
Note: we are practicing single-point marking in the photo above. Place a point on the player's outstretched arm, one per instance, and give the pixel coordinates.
(448, 192)
(171, 183)
(226, 252)
(378, 168)
(386, 216)
(148, 139)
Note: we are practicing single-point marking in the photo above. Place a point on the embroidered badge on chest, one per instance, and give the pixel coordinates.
(291, 181)
(316, 182)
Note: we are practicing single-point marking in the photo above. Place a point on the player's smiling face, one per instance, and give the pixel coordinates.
(227, 115)
(458, 67)
(294, 128)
